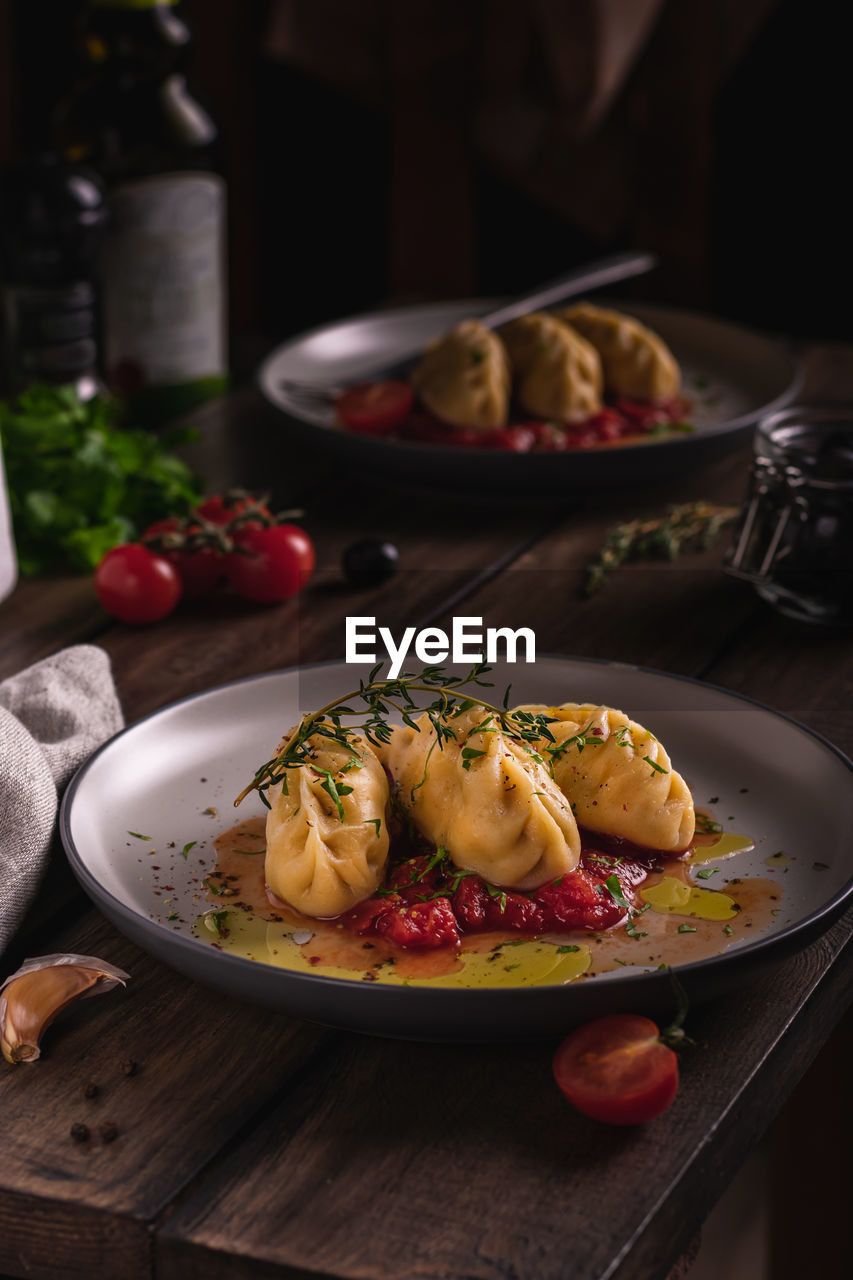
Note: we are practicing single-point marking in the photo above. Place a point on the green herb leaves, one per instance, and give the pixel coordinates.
(613, 886)
(379, 698)
(78, 484)
(684, 527)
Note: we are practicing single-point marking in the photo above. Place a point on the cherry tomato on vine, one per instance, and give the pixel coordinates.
(270, 563)
(375, 408)
(199, 569)
(136, 585)
(617, 1069)
(220, 508)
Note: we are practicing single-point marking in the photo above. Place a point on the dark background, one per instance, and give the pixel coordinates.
(358, 172)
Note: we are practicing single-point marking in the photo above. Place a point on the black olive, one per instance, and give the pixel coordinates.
(369, 562)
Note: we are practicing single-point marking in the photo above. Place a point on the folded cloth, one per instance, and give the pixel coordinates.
(52, 716)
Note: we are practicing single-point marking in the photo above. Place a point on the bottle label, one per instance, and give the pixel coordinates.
(164, 285)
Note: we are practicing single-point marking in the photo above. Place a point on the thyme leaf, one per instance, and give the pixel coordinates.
(687, 526)
(379, 699)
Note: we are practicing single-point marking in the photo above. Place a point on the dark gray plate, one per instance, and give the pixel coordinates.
(148, 779)
(733, 377)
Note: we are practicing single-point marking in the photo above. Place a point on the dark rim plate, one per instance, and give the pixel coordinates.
(747, 376)
(799, 798)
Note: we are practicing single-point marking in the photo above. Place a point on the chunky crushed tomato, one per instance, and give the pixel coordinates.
(429, 903)
(616, 421)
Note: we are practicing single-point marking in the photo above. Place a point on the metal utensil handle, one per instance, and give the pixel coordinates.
(620, 266)
(595, 275)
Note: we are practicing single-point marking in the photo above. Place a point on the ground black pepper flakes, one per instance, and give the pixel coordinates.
(80, 1132)
(129, 1068)
(90, 1090)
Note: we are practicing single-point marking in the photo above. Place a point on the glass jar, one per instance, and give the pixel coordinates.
(795, 538)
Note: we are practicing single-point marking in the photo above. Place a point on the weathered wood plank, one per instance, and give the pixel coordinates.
(43, 615)
(398, 1159)
(206, 1066)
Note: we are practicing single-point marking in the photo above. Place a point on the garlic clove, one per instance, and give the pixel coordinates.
(31, 998)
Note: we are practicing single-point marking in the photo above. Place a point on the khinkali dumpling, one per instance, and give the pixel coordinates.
(558, 372)
(317, 862)
(485, 799)
(637, 363)
(618, 777)
(464, 377)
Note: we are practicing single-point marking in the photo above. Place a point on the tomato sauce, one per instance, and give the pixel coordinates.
(429, 902)
(673, 921)
(617, 422)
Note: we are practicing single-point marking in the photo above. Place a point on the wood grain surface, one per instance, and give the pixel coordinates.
(253, 1145)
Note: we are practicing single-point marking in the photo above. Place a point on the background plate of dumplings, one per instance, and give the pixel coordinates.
(172, 778)
(731, 375)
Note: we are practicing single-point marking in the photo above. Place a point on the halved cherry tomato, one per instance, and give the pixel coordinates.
(617, 1069)
(375, 408)
(270, 563)
(135, 585)
(200, 569)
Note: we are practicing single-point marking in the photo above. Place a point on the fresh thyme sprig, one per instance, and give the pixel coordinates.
(452, 697)
(689, 525)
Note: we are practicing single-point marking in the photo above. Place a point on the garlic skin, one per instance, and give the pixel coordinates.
(43, 986)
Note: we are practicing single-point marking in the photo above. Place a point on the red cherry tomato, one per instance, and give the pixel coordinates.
(375, 408)
(135, 585)
(272, 563)
(199, 570)
(219, 511)
(616, 1069)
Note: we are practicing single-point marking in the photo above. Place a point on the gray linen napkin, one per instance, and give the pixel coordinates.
(52, 716)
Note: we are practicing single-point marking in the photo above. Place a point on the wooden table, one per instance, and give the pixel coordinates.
(255, 1145)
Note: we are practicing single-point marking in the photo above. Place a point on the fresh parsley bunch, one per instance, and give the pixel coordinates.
(78, 483)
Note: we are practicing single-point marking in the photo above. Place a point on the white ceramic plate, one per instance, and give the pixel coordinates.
(773, 778)
(733, 377)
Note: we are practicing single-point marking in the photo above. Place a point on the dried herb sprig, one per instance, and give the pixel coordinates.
(689, 525)
(452, 697)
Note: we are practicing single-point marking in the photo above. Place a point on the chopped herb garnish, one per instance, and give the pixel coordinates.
(215, 922)
(728, 929)
(613, 886)
(192, 844)
(138, 836)
(173, 916)
(706, 873)
(561, 951)
(656, 768)
(377, 823)
(494, 892)
(687, 928)
(821, 866)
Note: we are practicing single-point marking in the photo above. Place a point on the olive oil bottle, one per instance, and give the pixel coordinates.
(132, 116)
